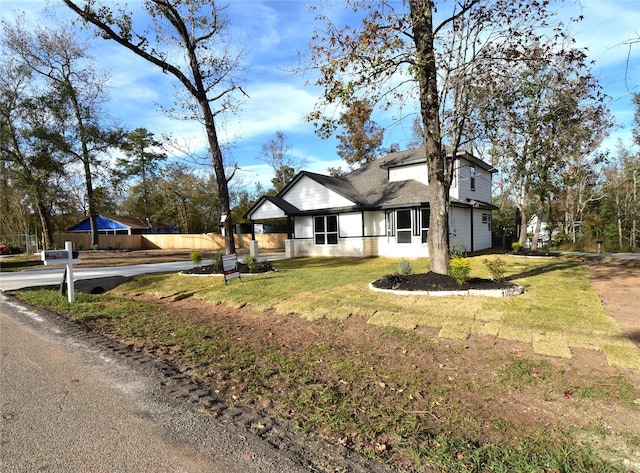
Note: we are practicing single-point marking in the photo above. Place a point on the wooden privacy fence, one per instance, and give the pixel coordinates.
(202, 241)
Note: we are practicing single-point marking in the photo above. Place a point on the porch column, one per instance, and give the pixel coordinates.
(253, 245)
(289, 249)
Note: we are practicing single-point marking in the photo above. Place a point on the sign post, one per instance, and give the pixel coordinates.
(67, 257)
(230, 267)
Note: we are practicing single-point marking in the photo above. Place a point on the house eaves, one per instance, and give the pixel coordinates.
(279, 202)
(339, 185)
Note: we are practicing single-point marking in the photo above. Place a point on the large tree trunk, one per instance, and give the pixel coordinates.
(438, 237)
(86, 162)
(619, 220)
(536, 230)
(47, 236)
(221, 178)
(524, 222)
(634, 222)
(93, 215)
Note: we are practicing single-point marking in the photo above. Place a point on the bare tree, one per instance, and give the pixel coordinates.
(182, 42)
(56, 57)
(30, 160)
(547, 115)
(395, 54)
(275, 153)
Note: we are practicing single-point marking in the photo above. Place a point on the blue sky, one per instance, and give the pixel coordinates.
(272, 33)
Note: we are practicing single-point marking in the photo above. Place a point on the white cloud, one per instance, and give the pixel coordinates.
(271, 107)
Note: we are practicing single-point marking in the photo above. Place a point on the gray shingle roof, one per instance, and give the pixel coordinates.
(369, 187)
(373, 189)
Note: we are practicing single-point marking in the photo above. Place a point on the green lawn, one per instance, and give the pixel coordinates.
(558, 311)
(388, 391)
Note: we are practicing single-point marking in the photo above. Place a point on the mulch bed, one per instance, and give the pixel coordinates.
(263, 267)
(528, 252)
(436, 282)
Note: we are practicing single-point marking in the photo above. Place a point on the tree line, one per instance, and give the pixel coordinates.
(499, 78)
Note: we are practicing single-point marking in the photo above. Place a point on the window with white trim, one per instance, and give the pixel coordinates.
(326, 229)
(425, 215)
(403, 226)
(486, 219)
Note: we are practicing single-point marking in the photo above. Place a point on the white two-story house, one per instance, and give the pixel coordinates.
(380, 209)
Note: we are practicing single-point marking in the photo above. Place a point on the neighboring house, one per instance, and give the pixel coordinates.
(380, 209)
(117, 225)
(546, 235)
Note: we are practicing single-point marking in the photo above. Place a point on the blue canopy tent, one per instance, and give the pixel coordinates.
(112, 225)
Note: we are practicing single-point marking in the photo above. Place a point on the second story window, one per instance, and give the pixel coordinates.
(472, 177)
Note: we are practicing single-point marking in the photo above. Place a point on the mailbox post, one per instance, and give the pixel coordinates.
(67, 257)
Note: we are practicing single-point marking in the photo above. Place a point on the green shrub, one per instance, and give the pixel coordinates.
(458, 251)
(196, 257)
(217, 260)
(459, 269)
(252, 263)
(404, 267)
(516, 247)
(496, 268)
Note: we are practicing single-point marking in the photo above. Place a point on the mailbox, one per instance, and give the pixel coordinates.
(50, 255)
(68, 257)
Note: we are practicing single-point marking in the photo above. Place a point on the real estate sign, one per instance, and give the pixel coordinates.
(230, 267)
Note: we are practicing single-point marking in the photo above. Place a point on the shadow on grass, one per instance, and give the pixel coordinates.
(13, 265)
(634, 336)
(319, 262)
(559, 265)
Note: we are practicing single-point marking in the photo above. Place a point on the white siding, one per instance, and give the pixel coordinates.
(481, 231)
(374, 223)
(350, 225)
(417, 172)
(303, 227)
(388, 246)
(460, 228)
(482, 190)
(307, 194)
(362, 247)
(454, 190)
(354, 247)
(267, 210)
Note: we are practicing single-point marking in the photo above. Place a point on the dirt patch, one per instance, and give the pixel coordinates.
(618, 285)
(469, 376)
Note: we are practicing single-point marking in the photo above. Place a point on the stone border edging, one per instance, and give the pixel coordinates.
(515, 291)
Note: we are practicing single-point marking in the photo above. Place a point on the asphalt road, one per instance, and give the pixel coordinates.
(67, 406)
